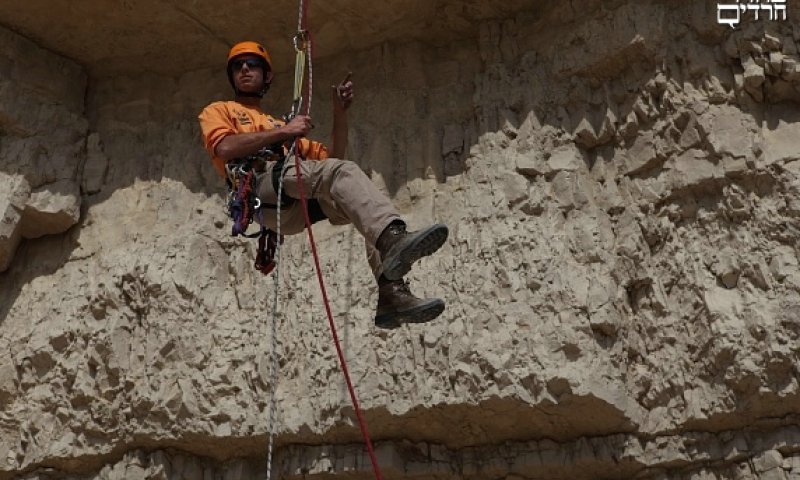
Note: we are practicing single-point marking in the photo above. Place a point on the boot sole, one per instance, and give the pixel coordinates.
(421, 314)
(398, 264)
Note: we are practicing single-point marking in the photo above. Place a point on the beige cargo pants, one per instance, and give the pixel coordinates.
(345, 194)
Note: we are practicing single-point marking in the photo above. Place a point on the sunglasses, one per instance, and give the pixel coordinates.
(250, 62)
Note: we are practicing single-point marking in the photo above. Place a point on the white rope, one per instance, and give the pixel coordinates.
(300, 16)
(310, 76)
(274, 366)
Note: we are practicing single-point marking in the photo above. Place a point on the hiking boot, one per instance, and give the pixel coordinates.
(397, 305)
(399, 249)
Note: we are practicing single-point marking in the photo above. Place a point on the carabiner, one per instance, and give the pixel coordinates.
(300, 41)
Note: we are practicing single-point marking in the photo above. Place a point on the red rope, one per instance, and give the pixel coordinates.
(342, 361)
(361, 422)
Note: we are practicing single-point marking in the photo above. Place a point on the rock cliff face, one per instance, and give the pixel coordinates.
(622, 183)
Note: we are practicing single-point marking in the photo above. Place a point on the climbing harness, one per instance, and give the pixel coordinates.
(242, 199)
(303, 48)
(244, 204)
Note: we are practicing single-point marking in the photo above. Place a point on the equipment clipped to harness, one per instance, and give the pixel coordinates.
(267, 246)
(242, 199)
(243, 203)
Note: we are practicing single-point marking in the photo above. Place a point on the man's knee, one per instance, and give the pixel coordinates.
(351, 168)
(336, 168)
(336, 163)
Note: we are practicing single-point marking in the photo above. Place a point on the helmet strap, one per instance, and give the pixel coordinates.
(240, 93)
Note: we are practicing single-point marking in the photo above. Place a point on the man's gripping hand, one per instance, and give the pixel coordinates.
(299, 126)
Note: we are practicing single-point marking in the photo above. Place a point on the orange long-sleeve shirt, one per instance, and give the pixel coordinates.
(221, 119)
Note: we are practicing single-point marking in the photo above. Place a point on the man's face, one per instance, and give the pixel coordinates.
(248, 73)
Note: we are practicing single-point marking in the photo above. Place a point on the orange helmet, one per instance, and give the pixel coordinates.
(253, 48)
(250, 48)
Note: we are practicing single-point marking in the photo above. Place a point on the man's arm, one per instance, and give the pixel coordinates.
(342, 98)
(340, 128)
(243, 144)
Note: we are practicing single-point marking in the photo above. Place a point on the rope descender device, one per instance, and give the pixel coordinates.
(302, 44)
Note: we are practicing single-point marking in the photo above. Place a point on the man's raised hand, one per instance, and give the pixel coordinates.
(343, 93)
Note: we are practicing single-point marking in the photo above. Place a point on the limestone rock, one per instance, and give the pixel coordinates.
(729, 131)
(783, 263)
(780, 135)
(14, 193)
(770, 460)
(51, 209)
(566, 158)
(692, 169)
(515, 188)
(585, 133)
(790, 70)
(726, 268)
(621, 298)
(772, 42)
(775, 63)
(753, 78)
(96, 166)
(532, 163)
(642, 155)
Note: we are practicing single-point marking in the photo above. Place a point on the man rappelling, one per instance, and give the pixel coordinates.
(239, 130)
